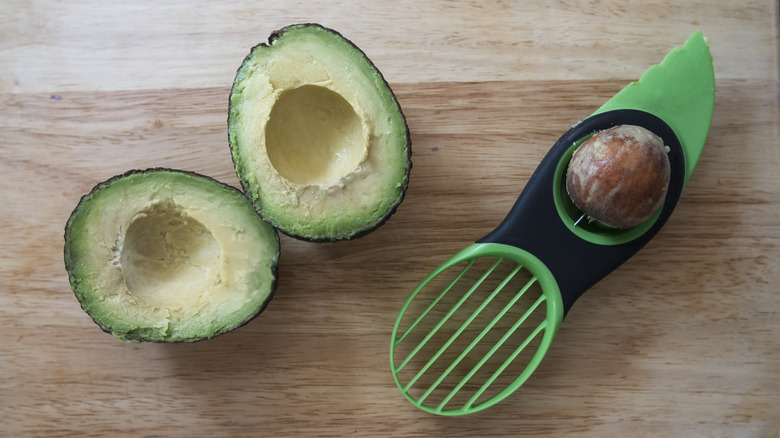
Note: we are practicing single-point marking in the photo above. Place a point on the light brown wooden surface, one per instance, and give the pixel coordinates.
(683, 340)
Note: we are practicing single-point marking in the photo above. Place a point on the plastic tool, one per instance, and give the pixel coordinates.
(477, 327)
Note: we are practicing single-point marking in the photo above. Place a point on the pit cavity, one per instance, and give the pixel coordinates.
(314, 136)
(168, 257)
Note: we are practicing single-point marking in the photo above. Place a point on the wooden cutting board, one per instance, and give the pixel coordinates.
(682, 340)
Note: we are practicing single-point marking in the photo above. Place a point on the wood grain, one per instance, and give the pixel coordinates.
(680, 341)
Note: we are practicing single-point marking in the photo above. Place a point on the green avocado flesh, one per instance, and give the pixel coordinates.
(169, 256)
(318, 139)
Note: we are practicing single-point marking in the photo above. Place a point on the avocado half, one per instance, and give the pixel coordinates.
(166, 255)
(318, 139)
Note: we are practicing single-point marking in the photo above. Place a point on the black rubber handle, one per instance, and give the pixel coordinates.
(533, 223)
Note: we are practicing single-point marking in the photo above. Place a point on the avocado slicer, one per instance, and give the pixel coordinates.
(477, 327)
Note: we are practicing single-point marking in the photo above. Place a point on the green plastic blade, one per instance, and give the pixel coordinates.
(681, 91)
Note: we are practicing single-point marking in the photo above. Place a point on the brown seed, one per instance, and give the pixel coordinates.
(619, 176)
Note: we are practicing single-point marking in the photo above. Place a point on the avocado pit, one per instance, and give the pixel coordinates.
(619, 176)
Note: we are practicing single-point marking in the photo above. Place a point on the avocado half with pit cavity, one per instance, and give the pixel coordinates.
(164, 255)
(318, 139)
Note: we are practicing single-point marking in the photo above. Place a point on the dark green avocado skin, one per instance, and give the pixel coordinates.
(70, 260)
(405, 184)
